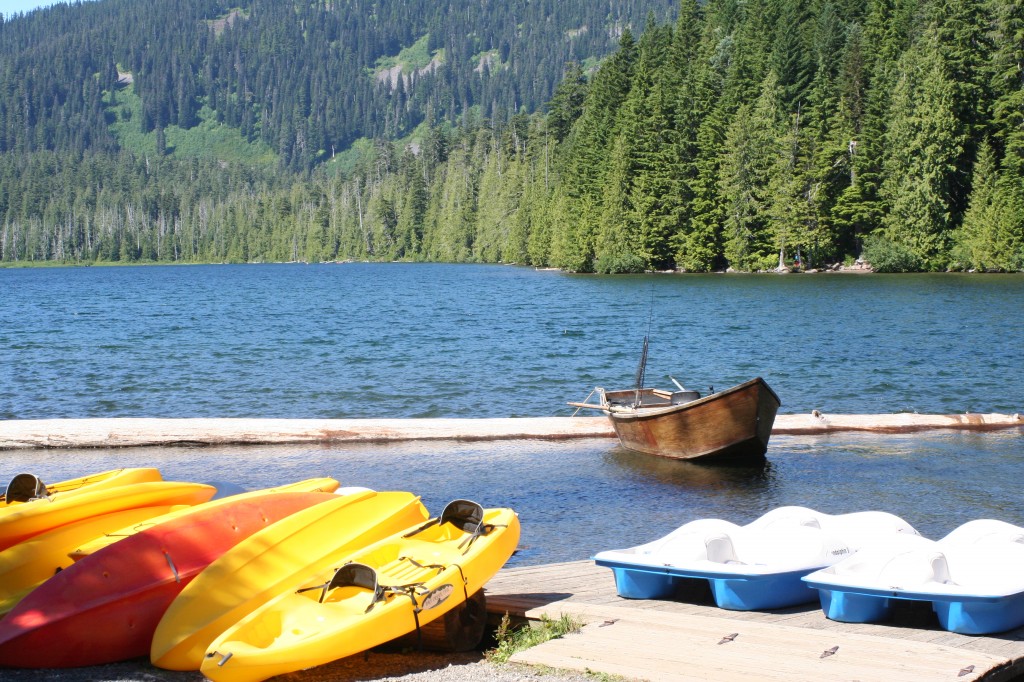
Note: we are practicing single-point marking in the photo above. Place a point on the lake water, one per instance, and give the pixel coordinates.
(426, 340)
(578, 497)
(403, 340)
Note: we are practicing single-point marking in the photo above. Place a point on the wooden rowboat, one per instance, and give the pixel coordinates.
(730, 426)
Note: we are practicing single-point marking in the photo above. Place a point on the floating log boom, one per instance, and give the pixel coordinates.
(134, 432)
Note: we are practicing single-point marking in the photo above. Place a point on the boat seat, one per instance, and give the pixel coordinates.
(25, 488)
(465, 515)
(940, 569)
(720, 549)
(352, 574)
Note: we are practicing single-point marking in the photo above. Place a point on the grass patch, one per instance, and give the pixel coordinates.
(411, 58)
(207, 140)
(346, 161)
(512, 641)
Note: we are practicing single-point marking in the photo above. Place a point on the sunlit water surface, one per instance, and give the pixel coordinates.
(418, 340)
(578, 497)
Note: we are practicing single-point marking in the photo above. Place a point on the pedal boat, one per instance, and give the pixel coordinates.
(973, 578)
(752, 567)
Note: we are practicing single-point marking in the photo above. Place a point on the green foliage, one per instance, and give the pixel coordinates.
(411, 58)
(924, 142)
(885, 255)
(206, 140)
(734, 136)
(512, 641)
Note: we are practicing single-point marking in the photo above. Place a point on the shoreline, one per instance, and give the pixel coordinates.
(121, 432)
(829, 268)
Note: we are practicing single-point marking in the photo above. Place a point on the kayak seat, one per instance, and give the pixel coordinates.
(25, 488)
(356, 575)
(351, 574)
(465, 515)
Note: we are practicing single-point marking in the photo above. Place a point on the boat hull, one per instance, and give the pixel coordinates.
(267, 563)
(106, 606)
(92, 482)
(28, 564)
(973, 579)
(296, 630)
(29, 519)
(729, 426)
(757, 566)
(310, 485)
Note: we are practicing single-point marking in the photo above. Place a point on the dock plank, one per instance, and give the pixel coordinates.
(679, 641)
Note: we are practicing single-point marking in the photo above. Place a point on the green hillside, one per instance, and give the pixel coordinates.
(718, 135)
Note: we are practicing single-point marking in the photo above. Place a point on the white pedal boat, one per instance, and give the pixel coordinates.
(973, 577)
(756, 566)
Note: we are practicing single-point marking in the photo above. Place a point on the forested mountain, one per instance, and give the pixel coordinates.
(726, 133)
(304, 77)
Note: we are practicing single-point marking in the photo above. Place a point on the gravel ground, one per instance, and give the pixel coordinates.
(382, 667)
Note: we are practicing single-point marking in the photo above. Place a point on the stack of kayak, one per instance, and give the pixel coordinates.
(857, 565)
(243, 586)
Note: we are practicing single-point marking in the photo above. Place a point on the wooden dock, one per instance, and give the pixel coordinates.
(694, 640)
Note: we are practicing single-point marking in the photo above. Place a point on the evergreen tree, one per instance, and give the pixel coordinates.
(567, 104)
(925, 142)
(980, 241)
(752, 147)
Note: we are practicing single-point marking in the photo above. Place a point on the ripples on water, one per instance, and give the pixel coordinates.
(577, 498)
(427, 340)
(398, 340)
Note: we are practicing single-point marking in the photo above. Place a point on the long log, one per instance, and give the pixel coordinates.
(131, 432)
(903, 422)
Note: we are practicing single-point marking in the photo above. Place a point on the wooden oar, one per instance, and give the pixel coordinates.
(587, 405)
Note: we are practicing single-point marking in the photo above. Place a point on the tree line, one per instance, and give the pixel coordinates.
(743, 135)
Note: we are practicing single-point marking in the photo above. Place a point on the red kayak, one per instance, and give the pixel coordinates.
(106, 607)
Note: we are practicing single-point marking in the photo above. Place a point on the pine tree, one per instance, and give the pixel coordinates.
(751, 154)
(653, 177)
(887, 32)
(1008, 119)
(977, 243)
(960, 27)
(567, 103)
(925, 142)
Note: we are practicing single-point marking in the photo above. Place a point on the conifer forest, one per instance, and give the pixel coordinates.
(594, 136)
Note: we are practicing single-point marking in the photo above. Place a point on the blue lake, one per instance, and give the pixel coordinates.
(404, 340)
(426, 340)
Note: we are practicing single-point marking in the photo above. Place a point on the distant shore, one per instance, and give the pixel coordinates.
(857, 268)
(135, 432)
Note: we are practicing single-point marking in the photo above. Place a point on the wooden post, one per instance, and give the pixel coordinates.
(461, 629)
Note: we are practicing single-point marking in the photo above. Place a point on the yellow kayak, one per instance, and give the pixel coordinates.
(273, 560)
(386, 590)
(26, 565)
(311, 485)
(34, 518)
(29, 488)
